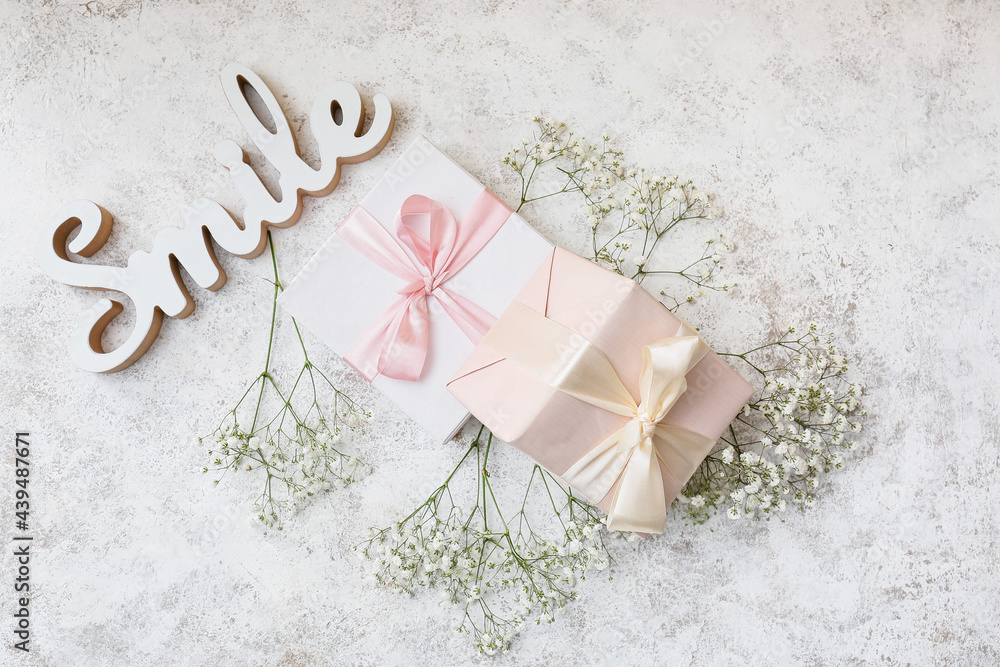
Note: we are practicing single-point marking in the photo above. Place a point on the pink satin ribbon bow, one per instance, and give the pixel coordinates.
(396, 344)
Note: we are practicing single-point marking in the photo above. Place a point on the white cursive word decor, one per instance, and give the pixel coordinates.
(152, 280)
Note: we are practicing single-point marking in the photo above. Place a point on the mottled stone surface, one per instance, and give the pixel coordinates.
(854, 146)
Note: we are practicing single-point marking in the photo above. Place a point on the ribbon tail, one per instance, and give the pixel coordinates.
(639, 504)
(596, 471)
(396, 344)
(681, 450)
(470, 318)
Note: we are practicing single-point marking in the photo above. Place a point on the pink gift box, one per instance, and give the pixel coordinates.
(619, 317)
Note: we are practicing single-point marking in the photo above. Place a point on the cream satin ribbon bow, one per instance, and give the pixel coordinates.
(567, 362)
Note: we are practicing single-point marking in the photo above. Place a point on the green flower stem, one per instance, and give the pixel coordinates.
(294, 444)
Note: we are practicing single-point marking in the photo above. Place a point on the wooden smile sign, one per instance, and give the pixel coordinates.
(152, 279)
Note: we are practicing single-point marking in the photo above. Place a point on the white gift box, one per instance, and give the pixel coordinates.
(340, 292)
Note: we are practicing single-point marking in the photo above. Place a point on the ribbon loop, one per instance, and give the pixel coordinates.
(429, 248)
(629, 459)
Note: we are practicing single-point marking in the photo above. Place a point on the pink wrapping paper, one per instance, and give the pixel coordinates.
(619, 317)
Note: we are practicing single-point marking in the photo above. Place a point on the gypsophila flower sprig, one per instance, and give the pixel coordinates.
(796, 429)
(629, 211)
(806, 412)
(296, 448)
(494, 564)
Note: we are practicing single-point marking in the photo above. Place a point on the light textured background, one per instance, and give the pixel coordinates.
(855, 148)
